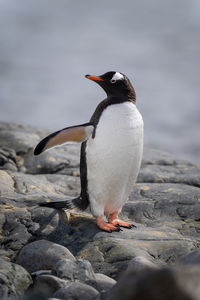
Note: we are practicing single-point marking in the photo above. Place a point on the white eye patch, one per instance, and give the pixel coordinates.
(117, 76)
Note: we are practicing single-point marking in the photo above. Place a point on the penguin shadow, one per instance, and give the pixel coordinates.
(70, 229)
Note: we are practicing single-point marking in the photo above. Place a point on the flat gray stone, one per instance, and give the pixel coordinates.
(63, 160)
(45, 185)
(110, 253)
(161, 167)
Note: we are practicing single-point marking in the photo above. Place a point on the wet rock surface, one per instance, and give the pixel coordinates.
(164, 205)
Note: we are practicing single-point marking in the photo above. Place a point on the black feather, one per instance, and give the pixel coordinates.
(39, 148)
(67, 204)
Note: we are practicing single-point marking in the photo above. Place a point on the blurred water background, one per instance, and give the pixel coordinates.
(47, 46)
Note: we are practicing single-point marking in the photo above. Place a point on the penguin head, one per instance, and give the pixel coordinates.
(115, 84)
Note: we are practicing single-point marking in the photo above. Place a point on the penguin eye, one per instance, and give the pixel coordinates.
(112, 80)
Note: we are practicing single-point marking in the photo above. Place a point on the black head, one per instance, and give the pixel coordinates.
(115, 84)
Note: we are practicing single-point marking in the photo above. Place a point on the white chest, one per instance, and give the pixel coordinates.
(114, 155)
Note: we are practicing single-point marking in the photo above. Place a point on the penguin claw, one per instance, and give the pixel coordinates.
(116, 230)
(131, 226)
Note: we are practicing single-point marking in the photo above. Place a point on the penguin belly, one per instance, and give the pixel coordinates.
(114, 157)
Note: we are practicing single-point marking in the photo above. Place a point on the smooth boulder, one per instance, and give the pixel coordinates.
(42, 255)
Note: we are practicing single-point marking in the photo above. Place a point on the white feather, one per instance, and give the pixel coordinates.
(117, 76)
(114, 157)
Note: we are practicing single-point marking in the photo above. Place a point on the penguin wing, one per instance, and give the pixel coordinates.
(79, 133)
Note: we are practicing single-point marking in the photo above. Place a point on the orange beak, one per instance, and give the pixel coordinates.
(94, 78)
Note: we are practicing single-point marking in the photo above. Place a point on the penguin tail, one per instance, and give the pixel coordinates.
(67, 204)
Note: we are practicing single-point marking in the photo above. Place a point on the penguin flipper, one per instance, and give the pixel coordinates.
(79, 133)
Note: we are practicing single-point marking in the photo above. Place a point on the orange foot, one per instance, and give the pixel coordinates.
(113, 219)
(106, 226)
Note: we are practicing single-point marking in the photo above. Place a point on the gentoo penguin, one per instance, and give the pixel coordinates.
(111, 152)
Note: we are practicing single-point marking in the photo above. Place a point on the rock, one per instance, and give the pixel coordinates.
(45, 185)
(162, 284)
(161, 167)
(34, 296)
(8, 159)
(80, 270)
(102, 283)
(139, 263)
(14, 280)
(63, 160)
(19, 137)
(111, 253)
(192, 258)
(164, 205)
(6, 183)
(47, 284)
(14, 233)
(150, 203)
(41, 255)
(76, 291)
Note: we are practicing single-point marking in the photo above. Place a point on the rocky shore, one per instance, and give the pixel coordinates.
(63, 255)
